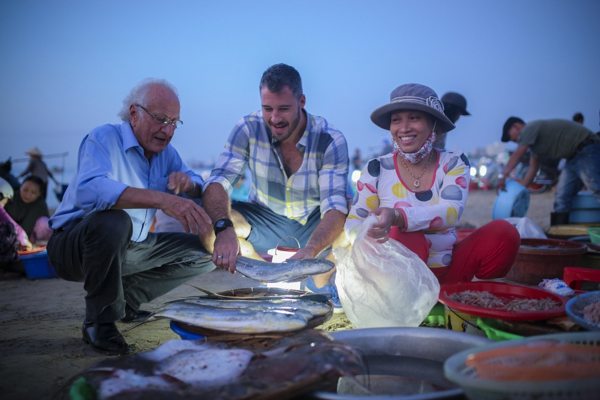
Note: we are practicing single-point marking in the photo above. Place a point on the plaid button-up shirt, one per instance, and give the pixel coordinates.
(321, 180)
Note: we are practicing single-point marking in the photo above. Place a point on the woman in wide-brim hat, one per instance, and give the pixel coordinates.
(419, 194)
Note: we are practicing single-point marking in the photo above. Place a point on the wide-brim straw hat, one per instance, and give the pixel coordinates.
(34, 152)
(412, 96)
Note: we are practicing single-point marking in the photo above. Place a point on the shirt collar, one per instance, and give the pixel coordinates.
(129, 139)
(303, 140)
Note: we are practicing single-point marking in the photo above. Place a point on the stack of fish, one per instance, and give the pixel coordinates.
(246, 315)
(186, 369)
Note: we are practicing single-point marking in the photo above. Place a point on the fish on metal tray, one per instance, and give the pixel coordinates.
(315, 308)
(264, 271)
(233, 320)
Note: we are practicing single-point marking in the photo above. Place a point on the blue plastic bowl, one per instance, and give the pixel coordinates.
(185, 335)
(575, 306)
(513, 202)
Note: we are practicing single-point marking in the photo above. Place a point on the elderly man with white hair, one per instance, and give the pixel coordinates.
(101, 229)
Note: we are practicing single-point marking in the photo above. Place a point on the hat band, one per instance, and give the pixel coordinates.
(430, 101)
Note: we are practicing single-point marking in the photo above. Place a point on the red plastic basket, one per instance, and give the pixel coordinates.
(503, 290)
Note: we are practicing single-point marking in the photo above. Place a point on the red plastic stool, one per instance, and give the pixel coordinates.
(574, 276)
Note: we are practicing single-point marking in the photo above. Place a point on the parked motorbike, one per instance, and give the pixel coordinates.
(484, 172)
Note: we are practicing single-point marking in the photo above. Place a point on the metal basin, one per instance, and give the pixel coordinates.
(419, 352)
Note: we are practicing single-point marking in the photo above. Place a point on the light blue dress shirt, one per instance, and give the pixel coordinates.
(110, 159)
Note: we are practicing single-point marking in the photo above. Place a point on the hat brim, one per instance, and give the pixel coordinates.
(465, 112)
(382, 116)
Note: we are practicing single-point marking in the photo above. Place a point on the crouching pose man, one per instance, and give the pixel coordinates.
(101, 229)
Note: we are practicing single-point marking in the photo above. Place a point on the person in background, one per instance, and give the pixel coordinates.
(29, 209)
(418, 194)
(357, 161)
(299, 167)
(455, 105)
(578, 117)
(12, 238)
(101, 236)
(555, 138)
(38, 167)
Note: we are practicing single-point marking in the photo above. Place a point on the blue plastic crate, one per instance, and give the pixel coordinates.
(38, 266)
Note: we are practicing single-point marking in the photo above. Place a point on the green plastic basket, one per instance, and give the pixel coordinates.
(435, 317)
(491, 330)
(81, 390)
(594, 234)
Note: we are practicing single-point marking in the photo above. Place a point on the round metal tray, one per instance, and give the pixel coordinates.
(420, 343)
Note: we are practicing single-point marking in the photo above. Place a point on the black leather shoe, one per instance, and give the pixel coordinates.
(105, 338)
(132, 315)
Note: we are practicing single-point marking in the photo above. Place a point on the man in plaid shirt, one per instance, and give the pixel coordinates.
(299, 168)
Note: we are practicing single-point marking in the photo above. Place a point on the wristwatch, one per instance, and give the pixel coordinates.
(222, 224)
(501, 176)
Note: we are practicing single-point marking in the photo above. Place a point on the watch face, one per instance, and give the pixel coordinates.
(222, 224)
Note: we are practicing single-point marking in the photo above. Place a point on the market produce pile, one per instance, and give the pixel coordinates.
(488, 300)
(591, 313)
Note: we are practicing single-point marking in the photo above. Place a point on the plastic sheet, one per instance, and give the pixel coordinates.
(383, 284)
(527, 228)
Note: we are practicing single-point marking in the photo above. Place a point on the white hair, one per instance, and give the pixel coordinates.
(139, 94)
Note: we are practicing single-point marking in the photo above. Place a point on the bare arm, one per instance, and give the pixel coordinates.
(216, 203)
(510, 165)
(534, 166)
(330, 227)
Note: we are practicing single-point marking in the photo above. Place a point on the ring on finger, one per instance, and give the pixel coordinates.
(219, 256)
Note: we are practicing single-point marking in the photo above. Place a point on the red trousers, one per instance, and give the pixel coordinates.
(487, 253)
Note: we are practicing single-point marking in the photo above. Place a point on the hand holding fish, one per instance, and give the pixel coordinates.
(303, 253)
(226, 250)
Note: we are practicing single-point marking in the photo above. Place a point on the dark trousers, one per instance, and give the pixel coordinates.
(116, 271)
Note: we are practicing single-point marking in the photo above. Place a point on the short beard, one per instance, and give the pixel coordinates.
(293, 126)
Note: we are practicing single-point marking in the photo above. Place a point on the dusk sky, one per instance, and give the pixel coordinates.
(68, 65)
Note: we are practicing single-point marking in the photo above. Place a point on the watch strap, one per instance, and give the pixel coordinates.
(222, 224)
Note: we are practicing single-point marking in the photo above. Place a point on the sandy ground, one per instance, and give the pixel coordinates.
(40, 334)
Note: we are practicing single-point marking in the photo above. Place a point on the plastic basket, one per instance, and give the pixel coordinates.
(575, 306)
(492, 332)
(537, 363)
(37, 265)
(476, 387)
(594, 234)
(435, 317)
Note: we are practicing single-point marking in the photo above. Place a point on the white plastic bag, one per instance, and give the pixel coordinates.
(383, 284)
(527, 228)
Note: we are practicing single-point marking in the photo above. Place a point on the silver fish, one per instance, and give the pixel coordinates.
(233, 320)
(319, 297)
(263, 271)
(288, 271)
(315, 308)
